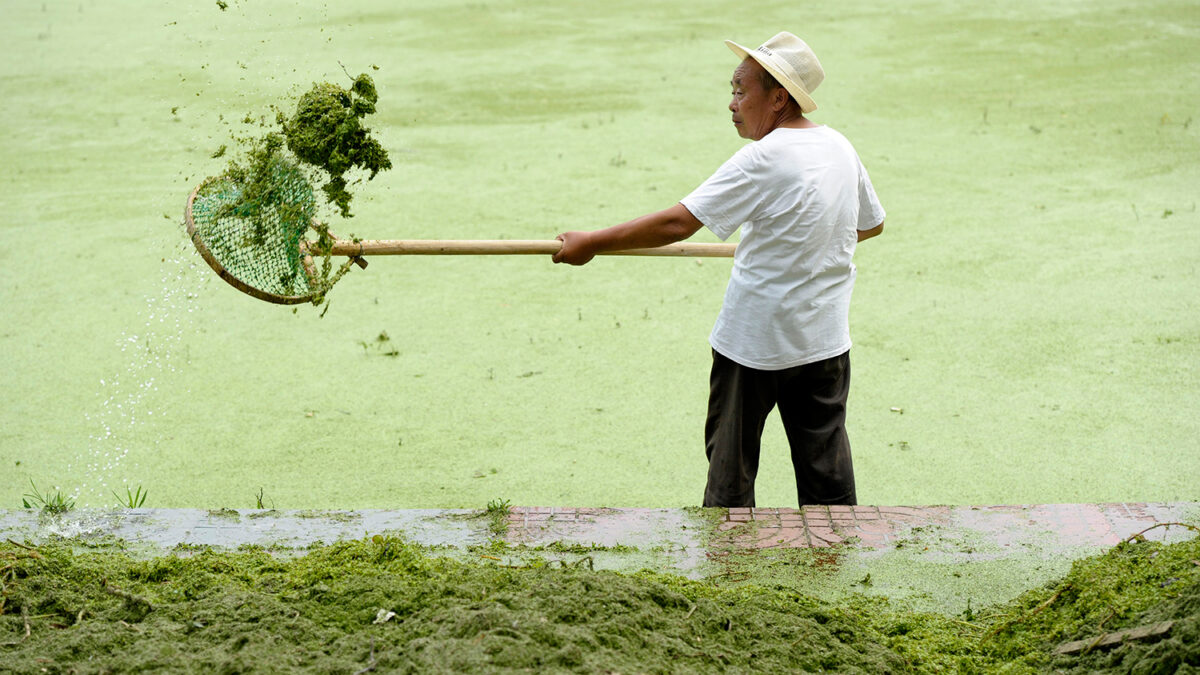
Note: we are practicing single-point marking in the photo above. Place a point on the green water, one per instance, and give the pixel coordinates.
(1031, 309)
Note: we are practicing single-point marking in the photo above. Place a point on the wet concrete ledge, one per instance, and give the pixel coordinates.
(1052, 527)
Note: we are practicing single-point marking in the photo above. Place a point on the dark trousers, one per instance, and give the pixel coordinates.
(812, 405)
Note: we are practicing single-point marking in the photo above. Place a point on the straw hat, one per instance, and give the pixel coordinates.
(790, 61)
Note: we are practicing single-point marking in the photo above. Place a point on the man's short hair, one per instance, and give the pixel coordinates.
(768, 81)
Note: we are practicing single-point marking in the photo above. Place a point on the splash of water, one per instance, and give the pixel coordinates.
(125, 424)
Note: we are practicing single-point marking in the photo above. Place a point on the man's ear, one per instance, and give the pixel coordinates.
(779, 98)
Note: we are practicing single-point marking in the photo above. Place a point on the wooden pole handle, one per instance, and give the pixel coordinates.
(512, 247)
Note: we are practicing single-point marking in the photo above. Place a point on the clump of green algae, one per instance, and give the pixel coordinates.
(391, 606)
(327, 132)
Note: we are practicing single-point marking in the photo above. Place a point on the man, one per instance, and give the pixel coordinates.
(802, 200)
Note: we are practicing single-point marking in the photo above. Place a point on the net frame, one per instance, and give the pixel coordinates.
(211, 233)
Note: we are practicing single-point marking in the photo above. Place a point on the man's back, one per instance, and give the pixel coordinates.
(798, 196)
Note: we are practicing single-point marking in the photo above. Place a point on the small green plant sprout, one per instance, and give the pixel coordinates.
(261, 501)
(49, 503)
(499, 506)
(133, 499)
(497, 512)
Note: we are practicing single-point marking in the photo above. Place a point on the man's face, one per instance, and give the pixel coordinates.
(751, 105)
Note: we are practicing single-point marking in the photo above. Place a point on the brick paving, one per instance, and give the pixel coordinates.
(1052, 526)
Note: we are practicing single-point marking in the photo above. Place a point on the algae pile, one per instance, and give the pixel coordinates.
(385, 605)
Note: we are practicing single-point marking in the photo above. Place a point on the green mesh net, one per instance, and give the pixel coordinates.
(252, 231)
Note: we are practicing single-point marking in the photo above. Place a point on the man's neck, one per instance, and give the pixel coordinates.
(797, 121)
(792, 118)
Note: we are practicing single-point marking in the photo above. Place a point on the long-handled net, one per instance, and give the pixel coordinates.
(264, 244)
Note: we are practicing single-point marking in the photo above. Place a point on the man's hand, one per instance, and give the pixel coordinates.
(576, 248)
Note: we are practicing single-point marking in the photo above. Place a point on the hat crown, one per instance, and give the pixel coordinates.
(796, 53)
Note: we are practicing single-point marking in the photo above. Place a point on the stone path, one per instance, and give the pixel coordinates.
(1053, 526)
(880, 527)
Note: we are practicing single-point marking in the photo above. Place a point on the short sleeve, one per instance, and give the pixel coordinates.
(870, 211)
(724, 201)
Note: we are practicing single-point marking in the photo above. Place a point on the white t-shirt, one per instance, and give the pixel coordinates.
(799, 196)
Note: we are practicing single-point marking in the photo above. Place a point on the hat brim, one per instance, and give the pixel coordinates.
(794, 88)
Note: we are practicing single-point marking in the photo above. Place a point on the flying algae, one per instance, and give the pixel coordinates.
(327, 132)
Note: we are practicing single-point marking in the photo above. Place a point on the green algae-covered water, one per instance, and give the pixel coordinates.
(1027, 330)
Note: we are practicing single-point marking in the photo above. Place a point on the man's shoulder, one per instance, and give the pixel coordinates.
(787, 146)
(785, 138)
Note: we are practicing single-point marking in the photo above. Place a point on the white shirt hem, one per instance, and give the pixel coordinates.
(801, 361)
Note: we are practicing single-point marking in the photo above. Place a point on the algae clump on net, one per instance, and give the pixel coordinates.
(327, 132)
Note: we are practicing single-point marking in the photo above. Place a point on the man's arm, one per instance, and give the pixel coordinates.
(650, 231)
(867, 234)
